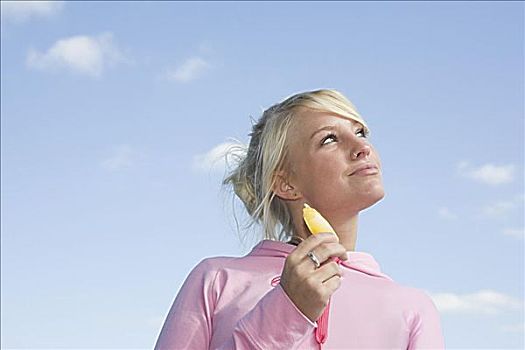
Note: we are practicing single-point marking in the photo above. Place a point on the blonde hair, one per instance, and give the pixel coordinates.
(253, 176)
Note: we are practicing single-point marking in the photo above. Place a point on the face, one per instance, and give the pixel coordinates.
(324, 152)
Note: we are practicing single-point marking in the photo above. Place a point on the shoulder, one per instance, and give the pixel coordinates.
(423, 319)
(420, 296)
(418, 299)
(218, 272)
(406, 296)
(209, 267)
(204, 275)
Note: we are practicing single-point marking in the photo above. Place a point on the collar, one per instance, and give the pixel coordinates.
(360, 261)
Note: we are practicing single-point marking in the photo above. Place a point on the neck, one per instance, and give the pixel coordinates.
(347, 232)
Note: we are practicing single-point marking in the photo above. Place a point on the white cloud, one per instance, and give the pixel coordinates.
(445, 213)
(498, 209)
(122, 157)
(514, 328)
(193, 68)
(488, 174)
(84, 54)
(20, 11)
(514, 232)
(501, 209)
(220, 157)
(482, 302)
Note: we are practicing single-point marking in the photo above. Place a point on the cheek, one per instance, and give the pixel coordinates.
(322, 174)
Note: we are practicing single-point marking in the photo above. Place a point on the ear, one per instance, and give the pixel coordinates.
(283, 188)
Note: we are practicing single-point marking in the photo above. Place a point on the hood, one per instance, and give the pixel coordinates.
(359, 261)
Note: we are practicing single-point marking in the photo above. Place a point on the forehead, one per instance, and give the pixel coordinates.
(308, 121)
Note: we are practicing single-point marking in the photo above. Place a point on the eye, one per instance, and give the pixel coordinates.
(363, 132)
(328, 137)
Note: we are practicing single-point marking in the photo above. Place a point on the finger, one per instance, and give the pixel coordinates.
(313, 241)
(332, 284)
(326, 251)
(327, 271)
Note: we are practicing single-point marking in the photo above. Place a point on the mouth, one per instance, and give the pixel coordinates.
(365, 169)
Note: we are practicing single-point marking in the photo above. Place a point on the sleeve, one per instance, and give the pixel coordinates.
(188, 324)
(425, 326)
(273, 323)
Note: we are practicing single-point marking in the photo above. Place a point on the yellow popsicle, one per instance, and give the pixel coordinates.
(315, 221)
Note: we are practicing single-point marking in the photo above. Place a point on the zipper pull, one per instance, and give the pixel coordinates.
(321, 332)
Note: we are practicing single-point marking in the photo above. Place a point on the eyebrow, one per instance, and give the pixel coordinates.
(328, 127)
(331, 127)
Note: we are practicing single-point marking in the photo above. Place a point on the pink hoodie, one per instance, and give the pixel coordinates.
(238, 303)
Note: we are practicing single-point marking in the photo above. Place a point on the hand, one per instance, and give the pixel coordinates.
(309, 287)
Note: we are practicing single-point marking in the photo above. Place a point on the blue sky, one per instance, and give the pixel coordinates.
(113, 114)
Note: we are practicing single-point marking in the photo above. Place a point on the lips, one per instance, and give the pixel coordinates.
(364, 167)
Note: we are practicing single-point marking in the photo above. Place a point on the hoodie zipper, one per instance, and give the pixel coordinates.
(321, 332)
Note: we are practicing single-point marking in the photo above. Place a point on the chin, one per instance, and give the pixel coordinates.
(370, 198)
(351, 205)
(376, 197)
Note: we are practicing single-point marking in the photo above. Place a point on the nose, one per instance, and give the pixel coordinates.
(361, 150)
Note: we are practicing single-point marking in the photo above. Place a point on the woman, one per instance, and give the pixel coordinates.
(295, 290)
